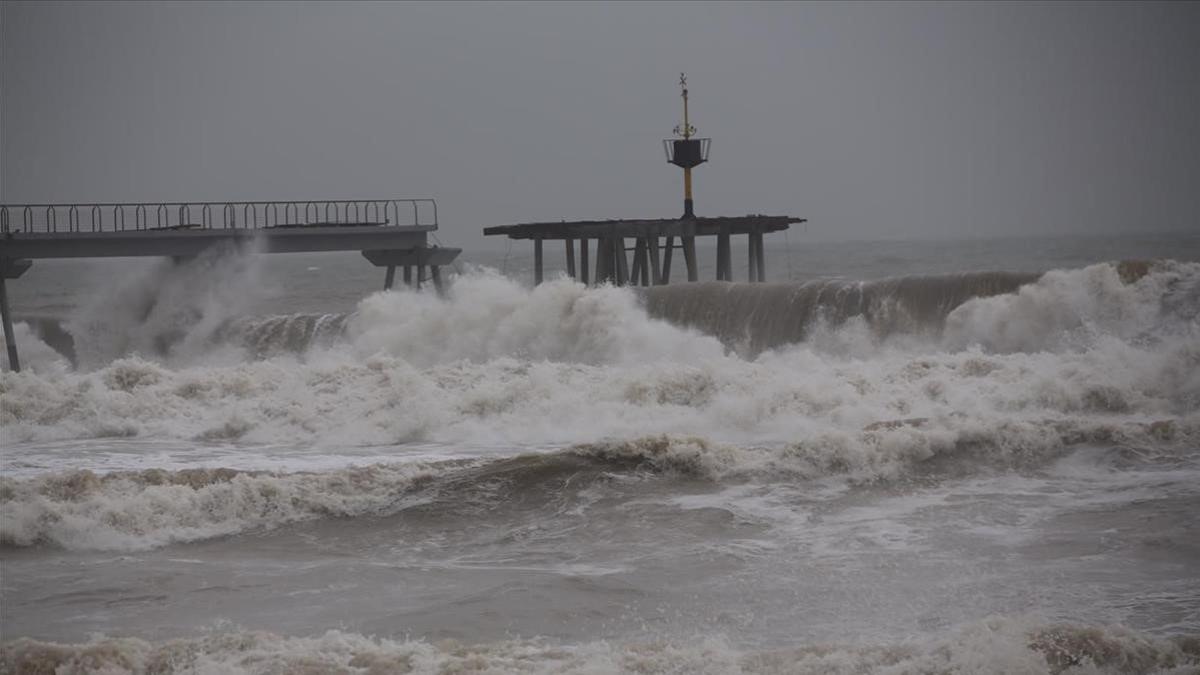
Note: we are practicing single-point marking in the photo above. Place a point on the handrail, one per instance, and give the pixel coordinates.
(119, 216)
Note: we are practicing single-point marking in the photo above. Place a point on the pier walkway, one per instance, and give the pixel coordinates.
(389, 233)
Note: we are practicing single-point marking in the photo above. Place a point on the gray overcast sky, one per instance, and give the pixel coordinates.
(873, 120)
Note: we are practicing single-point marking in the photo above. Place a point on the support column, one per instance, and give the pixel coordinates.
(14, 362)
(435, 271)
(389, 277)
(622, 266)
(583, 261)
(408, 276)
(537, 260)
(762, 258)
(645, 263)
(723, 266)
(689, 258)
(720, 259)
(655, 267)
(420, 267)
(666, 261)
(603, 260)
(728, 258)
(570, 244)
(635, 269)
(641, 266)
(751, 259)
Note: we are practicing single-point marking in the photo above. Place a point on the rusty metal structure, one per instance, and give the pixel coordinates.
(389, 233)
(655, 240)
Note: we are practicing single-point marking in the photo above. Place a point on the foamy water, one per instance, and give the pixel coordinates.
(985, 472)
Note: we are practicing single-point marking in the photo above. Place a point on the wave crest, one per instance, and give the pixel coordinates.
(995, 645)
(131, 510)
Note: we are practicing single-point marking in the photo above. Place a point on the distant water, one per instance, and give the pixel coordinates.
(896, 457)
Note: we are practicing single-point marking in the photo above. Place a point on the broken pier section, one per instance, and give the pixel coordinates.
(390, 233)
(654, 244)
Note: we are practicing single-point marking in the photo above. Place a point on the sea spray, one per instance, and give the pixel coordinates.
(36, 355)
(170, 310)
(561, 364)
(487, 315)
(1073, 309)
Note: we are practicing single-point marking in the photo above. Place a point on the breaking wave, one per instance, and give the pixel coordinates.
(996, 645)
(133, 510)
(1108, 354)
(161, 316)
(755, 317)
(1092, 350)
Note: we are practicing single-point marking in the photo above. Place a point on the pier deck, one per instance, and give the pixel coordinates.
(389, 233)
(654, 244)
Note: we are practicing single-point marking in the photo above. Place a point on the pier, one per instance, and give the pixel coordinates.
(390, 233)
(655, 240)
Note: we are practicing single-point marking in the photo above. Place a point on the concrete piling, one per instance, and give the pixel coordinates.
(668, 252)
(583, 260)
(14, 362)
(537, 261)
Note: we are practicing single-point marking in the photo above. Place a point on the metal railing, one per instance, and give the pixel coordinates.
(68, 218)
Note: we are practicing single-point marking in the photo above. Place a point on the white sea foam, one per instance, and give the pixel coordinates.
(1075, 309)
(498, 364)
(131, 510)
(1013, 380)
(997, 645)
(170, 310)
(35, 355)
(487, 316)
(134, 510)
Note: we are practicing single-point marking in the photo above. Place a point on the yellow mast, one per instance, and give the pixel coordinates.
(686, 131)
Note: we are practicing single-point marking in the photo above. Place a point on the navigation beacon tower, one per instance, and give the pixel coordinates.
(686, 152)
(655, 240)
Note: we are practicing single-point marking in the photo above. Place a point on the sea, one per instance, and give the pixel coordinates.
(901, 456)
